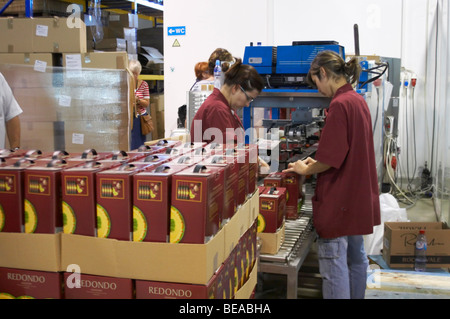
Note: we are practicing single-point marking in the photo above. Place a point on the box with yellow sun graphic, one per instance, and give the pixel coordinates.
(114, 192)
(42, 195)
(152, 191)
(197, 203)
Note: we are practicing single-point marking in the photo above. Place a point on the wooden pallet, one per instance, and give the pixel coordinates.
(394, 284)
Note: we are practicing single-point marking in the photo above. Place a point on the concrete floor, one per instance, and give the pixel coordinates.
(273, 286)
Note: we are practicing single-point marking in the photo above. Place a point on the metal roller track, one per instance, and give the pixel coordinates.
(295, 233)
(299, 236)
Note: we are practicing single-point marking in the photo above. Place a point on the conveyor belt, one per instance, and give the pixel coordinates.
(299, 236)
(296, 231)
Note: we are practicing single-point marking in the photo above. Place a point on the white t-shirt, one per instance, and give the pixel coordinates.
(9, 108)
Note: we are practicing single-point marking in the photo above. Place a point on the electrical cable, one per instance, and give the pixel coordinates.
(372, 71)
(378, 107)
(389, 142)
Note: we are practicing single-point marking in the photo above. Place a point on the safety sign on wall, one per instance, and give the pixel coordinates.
(176, 31)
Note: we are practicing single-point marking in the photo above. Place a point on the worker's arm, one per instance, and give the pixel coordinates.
(143, 103)
(308, 166)
(13, 132)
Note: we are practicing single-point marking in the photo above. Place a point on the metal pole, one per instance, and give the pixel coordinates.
(5, 6)
(29, 8)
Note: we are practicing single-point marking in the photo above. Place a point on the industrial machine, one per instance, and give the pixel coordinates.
(287, 66)
(290, 104)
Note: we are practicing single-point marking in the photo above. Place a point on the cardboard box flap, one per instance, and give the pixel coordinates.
(30, 251)
(191, 263)
(95, 256)
(415, 225)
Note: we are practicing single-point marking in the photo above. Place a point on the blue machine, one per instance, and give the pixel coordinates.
(287, 66)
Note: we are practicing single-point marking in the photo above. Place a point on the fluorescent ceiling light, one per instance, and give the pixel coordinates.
(148, 4)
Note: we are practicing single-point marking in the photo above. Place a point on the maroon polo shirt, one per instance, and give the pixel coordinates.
(218, 122)
(346, 199)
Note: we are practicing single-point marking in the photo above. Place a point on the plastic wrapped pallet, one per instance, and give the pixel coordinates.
(71, 109)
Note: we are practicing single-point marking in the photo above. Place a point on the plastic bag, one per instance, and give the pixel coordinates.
(390, 211)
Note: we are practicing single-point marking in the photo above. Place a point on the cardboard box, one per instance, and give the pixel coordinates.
(238, 158)
(114, 193)
(82, 286)
(79, 196)
(111, 44)
(100, 135)
(272, 209)
(38, 60)
(251, 157)
(57, 34)
(189, 263)
(16, 35)
(236, 227)
(246, 291)
(197, 204)
(400, 238)
(38, 73)
(168, 290)
(152, 193)
(165, 262)
(29, 284)
(97, 60)
(293, 184)
(42, 195)
(31, 251)
(271, 242)
(230, 187)
(12, 196)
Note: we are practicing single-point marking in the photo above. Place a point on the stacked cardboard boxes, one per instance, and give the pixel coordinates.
(219, 263)
(72, 99)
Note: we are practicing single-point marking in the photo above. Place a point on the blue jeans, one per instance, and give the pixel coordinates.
(343, 266)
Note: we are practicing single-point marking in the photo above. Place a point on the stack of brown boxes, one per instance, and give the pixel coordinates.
(72, 99)
(212, 259)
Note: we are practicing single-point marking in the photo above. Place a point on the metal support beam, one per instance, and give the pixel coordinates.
(5, 6)
(29, 8)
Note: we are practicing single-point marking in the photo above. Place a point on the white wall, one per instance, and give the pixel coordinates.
(392, 28)
(209, 24)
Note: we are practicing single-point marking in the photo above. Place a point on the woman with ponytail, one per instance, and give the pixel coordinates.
(346, 199)
(216, 120)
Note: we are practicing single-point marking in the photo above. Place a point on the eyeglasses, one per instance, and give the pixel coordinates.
(249, 98)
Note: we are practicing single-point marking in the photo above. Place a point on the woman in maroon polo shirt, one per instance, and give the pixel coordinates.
(346, 199)
(216, 120)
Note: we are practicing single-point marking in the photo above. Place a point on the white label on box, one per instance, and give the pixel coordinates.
(73, 61)
(73, 65)
(40, 66)
(41, 30)
(64, 100)
(77, 138)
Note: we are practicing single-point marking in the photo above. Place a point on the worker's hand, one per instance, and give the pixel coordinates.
(264, 168)
(308, 166)
(300, 167)
(309, 161)
(296, 167)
